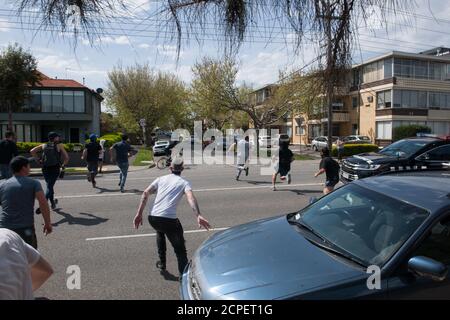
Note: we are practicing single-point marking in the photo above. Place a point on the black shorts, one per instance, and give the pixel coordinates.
(28, 235)
(331, 183)
(284, 169)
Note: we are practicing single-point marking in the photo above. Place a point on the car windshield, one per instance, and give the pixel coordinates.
(403, 148)
(364, 138)
(363, 224)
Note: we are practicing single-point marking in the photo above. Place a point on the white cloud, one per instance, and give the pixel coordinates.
(120, 40)
(169, 51)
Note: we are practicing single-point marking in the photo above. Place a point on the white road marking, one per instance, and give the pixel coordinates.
(150, 235)
(268, 187)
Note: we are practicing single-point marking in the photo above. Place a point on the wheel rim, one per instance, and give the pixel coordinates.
(161, 164)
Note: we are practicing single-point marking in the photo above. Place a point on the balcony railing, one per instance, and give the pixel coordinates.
(338, 116)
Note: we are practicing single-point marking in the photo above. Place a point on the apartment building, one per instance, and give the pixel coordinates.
(60, 105)
(385, 92)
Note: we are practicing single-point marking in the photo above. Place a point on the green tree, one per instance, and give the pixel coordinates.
(18, 72)
(138, 92)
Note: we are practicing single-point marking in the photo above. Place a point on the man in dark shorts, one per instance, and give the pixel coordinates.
(17, 196)
(8, 150)
(285, 158)
(331, 168)
(91, 154)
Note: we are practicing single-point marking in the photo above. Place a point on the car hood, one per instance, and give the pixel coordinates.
(371, 158)
(267, 259)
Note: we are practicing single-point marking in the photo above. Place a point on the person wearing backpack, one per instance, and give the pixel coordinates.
(54, 158)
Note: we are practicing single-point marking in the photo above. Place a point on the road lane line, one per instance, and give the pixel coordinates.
(268, 187)
(150, 235)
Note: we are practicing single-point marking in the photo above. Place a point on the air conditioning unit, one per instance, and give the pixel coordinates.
(370, 99)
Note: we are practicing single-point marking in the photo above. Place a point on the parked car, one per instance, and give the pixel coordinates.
(357, 140)
(282, 138)
(407, 154)
(159, 149)
(399, 223)
(320, 143)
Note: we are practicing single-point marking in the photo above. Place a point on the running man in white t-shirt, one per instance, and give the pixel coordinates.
(22, 269)
(163, 216)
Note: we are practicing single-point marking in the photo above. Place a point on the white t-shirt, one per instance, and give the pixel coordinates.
(170, 190)
(16, 260)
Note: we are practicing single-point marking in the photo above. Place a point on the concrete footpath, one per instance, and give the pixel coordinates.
(107, 169)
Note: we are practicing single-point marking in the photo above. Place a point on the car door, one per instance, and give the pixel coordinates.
(406, 285)
(435, 157)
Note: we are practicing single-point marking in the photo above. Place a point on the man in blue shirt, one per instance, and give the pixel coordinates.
(123, 152)
(17, 197)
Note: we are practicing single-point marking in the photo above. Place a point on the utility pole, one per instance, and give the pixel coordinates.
(329, 73)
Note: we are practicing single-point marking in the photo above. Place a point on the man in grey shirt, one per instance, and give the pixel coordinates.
(17, 196)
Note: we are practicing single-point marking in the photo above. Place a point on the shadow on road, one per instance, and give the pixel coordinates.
(90, 220)
(300, 192)
(256, 183)
(168, 276)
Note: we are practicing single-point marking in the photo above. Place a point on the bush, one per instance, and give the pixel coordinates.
(354, 149)
(111, 138)
(25, 147)
(409, 131)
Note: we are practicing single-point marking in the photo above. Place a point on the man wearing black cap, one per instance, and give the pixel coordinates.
(54, 156)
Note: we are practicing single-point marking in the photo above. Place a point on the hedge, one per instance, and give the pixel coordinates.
(25, 147)
(354, 149)
(409, 131)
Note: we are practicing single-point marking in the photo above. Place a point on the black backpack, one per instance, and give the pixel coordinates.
(51, 157)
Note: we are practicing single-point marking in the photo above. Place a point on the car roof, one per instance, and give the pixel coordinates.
(427, 189)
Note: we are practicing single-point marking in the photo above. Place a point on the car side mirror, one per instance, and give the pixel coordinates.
(428, 268)
(312, 200)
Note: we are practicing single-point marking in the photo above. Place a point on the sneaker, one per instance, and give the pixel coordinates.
(289, 179)
(274, 188)
(246, 172)
(122, 190)
(161, 266)
(94, 184)
(89, 177)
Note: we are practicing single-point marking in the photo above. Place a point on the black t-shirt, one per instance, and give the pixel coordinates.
(93, 151)
(331, 168)
(8, 150)
(285, 156)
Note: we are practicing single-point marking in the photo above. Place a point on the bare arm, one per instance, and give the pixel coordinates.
(64, 154)
(45, 211)
(138, 218)
(40, 273)
(202, 222)
(321, 171)
(35, 151)
(83, 156)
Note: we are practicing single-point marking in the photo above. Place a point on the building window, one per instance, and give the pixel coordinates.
(35, 103)
(439, 100)
(46, 96)
(373, 72)
(384, 130)
(79, 102)
(68, 101)
(57, 101)
(387, 68)
(410, 99)
(355, 102)
(384, 99)
(300, 131)
(419, 69)
(354, 129)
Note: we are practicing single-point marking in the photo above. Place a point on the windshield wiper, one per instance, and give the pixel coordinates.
(303, 225)
(343, 254)
(328, 245)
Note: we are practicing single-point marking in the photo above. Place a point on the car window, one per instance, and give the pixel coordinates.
(437, 245)
(364, 223)
(404, 148)
(440, 153)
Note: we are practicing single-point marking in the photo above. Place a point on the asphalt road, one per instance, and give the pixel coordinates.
(93, 227)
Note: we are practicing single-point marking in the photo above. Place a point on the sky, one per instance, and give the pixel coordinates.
(132, 39)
